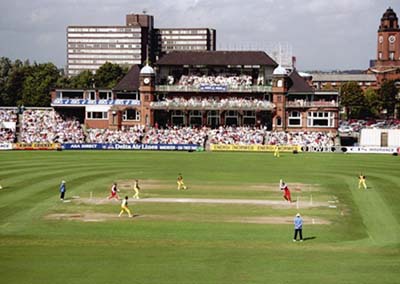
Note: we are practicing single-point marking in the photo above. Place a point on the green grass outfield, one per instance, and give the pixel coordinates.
(195, 242)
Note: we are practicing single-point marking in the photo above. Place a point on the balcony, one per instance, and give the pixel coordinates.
(213, 89)
(210, 104)
(84, 102)
(308, 104)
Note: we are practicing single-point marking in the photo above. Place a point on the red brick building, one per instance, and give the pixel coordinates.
(210, 88)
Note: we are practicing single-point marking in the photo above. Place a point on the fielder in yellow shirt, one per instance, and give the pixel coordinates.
(136, 188)
(361, 181)
(179, 181)
(276, 151)
(124, 207)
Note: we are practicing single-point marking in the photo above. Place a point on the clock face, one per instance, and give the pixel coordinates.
(380, 39)
(146, 81)
(392, 39)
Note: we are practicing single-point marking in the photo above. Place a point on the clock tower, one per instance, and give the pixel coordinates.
(387, 63)
(389, 37)
(147, 89)
(280, 86)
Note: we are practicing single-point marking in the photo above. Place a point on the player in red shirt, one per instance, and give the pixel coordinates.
(286, 190)
(114, 191)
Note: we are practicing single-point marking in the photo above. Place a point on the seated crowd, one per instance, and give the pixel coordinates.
(237, 135)
(219, 80)
(302, 138)
(131, 135)
(7, 135)
(176, 135)
(243, 135)
(213, 103)
(8, 115)
(49, 127)
(7, 132)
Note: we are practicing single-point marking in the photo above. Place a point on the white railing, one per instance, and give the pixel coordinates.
(312, 104)
(228, 89)
(205, 104)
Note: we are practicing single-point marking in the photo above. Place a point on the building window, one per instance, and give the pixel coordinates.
(127, 96)
(91, 95)
(320, 119)
(391, 55)
(97, 115)
(178, 117)
(131, 115)
(195, 118)
(231, 117)
(380, 55)
(279, 121)
(105, 95)
(294, 118)
(249, 117)
(213, 118)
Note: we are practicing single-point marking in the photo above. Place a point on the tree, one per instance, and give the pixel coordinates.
(108, 75)
(40, 79)
(12, 92)
(64, 82)
(5, 69)
(373, 102)
(22, 83)
(352, 98)
(388, 95)
(83, 80)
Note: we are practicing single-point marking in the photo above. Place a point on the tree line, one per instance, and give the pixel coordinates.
(23, 83)
(371, 102)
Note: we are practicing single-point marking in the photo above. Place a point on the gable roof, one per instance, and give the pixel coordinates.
(130, 82)
(298, 84)
(217, 58)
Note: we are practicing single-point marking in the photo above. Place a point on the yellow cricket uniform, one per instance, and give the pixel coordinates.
(136, 188)
(124, 207)
(276, 151)
(361, 182)
(181, 184)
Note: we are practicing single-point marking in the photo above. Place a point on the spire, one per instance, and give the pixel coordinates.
(389, 21)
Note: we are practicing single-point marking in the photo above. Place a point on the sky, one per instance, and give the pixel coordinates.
(322, 34)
